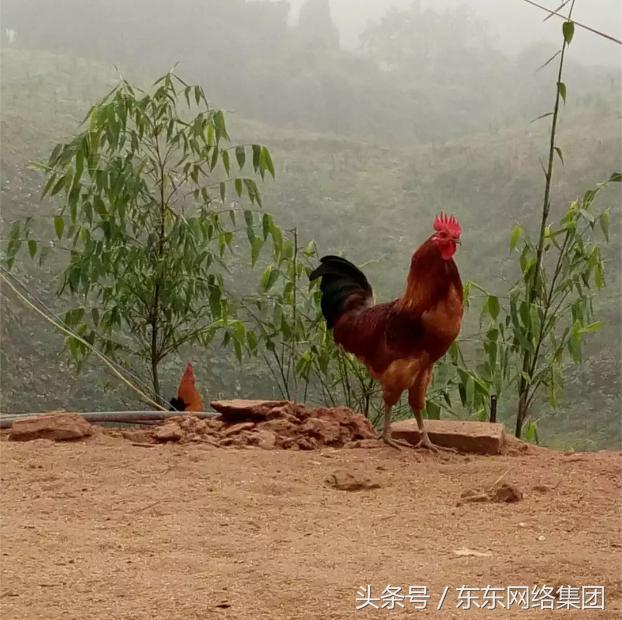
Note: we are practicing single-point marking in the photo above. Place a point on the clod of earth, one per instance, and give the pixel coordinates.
(169, 431)
(500, 492)
(350, 481)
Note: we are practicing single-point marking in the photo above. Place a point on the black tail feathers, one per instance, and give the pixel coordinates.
(341, 280)
(177, 404)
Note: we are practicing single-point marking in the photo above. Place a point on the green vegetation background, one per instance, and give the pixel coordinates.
(367, 148)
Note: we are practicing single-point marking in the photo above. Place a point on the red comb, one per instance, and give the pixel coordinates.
(189, 369)
(447, 224)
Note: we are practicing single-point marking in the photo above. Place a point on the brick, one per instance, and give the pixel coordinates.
(463, 435)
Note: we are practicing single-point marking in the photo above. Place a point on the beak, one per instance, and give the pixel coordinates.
(458, 241)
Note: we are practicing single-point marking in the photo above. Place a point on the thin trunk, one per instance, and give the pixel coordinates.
(156, 351)
(154, 342)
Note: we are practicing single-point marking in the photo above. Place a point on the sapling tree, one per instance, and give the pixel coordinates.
(532, 333)
(147, 220)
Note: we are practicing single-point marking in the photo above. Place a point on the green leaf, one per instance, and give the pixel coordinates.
(310, 248)
(559, 153)
(256, 245)
(603, 220)
(214, 159)
(60, 183)
(223, 190)
(59, 225)
(531, 432)
(251, 338)
(587, 215)
(568, 30)
(32, 247)
(562, 90)
(253, 192)
(100, 207)
(550, 60)
(493, 306)
(219, 123)
(267, 225)
(248, 218)
(256, 155)
(591, 328)
(268, 278)
(517, 233)
(542, 116)
(240, 155)
(238, 186)
(616, 177)
(225, 160)
(268, 161)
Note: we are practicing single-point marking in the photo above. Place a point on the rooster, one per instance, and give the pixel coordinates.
(188, 399)
(399, 341)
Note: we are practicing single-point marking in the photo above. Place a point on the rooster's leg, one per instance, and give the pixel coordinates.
(425, 442)
(386, 433)
(416, 400)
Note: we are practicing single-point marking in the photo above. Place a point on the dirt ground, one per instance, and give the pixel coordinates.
(105, 529)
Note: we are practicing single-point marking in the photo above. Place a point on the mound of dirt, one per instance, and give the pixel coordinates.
(264, 424)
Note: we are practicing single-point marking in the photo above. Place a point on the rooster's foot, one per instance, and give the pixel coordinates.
(426, 444)
(398, 444)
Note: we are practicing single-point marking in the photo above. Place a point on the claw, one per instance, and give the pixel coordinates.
(396, 443)
(426, 444)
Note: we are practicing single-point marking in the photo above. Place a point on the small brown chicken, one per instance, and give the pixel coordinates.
(399, 341)
(188, 398)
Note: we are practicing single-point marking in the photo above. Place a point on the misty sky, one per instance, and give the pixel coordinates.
(514, 23)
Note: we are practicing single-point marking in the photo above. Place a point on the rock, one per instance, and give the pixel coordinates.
(169, 431)
(57, 427)
(466, 436)
(214, 424)
(192, 438)
(349, 481)
(237, 428)
(192, 424)
(306, 443)
(280, 427)
(266, 440)
(237, 440)
(244, 410)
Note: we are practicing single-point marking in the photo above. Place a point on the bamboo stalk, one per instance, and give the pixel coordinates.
(123, 417)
